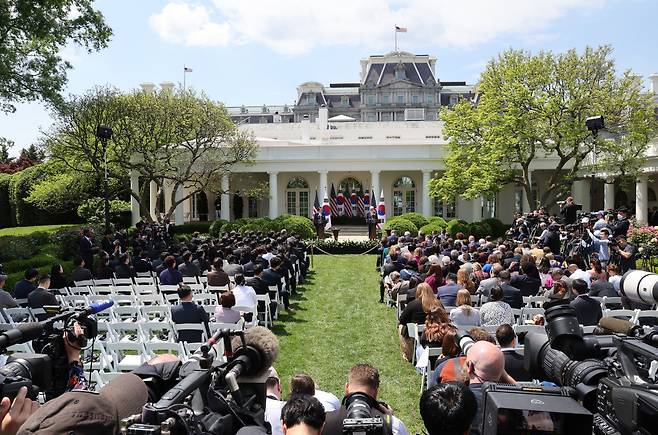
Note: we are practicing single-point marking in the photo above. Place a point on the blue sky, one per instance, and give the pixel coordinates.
(258, 51)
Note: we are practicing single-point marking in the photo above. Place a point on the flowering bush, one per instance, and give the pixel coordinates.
(645, 239)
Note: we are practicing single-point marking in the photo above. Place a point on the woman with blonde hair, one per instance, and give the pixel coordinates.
(416, 312)
(465, 281)
(464, 314)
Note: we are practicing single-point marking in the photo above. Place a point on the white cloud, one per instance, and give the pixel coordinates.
(190, 25)
(294, 27)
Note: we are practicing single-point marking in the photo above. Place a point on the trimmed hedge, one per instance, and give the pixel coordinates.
(344, 246)
(439, 220)
(294, 225)
(457, 226)
(433, 226)
(216, 227)
(191, 227)
(6, 215)
(479, 229)
(401, 225)
(497, 227)
(66, 242)
(417, 219)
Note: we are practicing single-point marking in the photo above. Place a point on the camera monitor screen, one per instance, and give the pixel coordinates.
(525, 412)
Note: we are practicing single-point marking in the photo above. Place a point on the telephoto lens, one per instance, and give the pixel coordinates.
(463, 340)
(358, 406)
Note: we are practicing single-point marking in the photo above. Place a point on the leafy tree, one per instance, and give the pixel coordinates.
(32, 35)
(16, 165)
(34, 153)
(179, 138)
(535, 106)
(5, 144)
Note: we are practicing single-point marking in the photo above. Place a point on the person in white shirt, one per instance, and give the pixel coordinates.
(613, 276)
(273, 403)
(575, 273)
(245, 296)
(302, 383)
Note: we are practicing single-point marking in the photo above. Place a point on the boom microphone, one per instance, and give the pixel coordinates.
(97, 307)
(21, 334)
(620, 326)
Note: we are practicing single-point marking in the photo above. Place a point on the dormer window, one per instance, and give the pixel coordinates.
(345, 101)
(400, 73)
(310, 99)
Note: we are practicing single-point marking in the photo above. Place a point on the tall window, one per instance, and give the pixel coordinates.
(253, 207)
(415, 99)
(489, 207)
(297, 197)
(350, 184)
(387, 99)
(404, 196)
(445, 209)
(400, 99)
(429, 98)
(518, 199)
(371, 100)
(345, 101)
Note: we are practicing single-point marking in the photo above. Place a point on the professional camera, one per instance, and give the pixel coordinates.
(214, 397)
(612, 376)
(360, 419)
(47, 369)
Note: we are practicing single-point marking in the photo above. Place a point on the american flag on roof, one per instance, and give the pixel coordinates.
(332, 201)
(400, 29)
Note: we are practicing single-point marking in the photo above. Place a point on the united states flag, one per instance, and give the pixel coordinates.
(347, 206)
(316, 205)
(360, 206)
(332, 201)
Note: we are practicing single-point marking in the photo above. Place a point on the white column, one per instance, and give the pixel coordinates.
(641, 203)
(476, 209)
(374, 186)
(425, 192)
(225, 212)
(609, 194)
(274, 195)
(581, 192)
(179, 214)
(212, 212)
(134, 204)
(153, 199)
(322, 186)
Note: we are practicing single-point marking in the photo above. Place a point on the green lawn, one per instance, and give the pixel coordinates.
(338, 323)
(21, 231)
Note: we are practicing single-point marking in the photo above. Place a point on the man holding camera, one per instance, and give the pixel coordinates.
(626, 253)
(569, 210)
(363, 386)
(621, 226)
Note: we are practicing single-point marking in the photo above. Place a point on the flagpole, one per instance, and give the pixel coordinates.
(395, 30)
(184, 76)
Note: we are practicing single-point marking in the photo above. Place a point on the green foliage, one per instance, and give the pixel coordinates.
(234, 225)
(433, 226)
(345, 246)
(401, 225)
(17, 248)
(6, 215)
(294, 225)
(19, 189)
(438, 220)
(457, 226)
(258, 224)
(216, 227)
(479, 229)
(93, 210)
(497, 227)
(66, 242)
(417, 219)
(23, 231)
(536, 105)
(191, 227)
(33, 35)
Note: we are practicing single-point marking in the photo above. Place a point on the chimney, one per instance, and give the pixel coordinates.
(323, 117)
(147, 87)
(167, 86)
(306, 129)
(653, 86)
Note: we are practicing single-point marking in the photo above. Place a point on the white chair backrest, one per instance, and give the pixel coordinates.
(190, 280)
(122, 281)
(87, 283)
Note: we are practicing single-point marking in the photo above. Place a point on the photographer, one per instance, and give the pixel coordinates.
(621, 226)
(569, 210)
(601, 244)
(626, 253)
(551, 238)
(364, 379)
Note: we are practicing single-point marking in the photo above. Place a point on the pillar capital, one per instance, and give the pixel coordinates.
(272, 173)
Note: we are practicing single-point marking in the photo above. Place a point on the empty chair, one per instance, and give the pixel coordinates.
(17, 315)
(122, 281)
(167, 289)
(204, 298)
(171, 298)
(124, 300)
(218, 288)
(127, 356)
(157, 331)
(75, 301)
(149, 299)
(145, 289)
(203, 279)
(157, 348)
(197, 288)
(143, 276)
(123, 290)
(102, 291)
(99, 359)
(158, 313)
(250, 314)
(190, 280)
(126, 313)
(87, 283)
(102, 283)
(80, 290)
(126, 331)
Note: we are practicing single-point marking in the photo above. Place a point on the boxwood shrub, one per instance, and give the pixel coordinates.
(216, 227)
(497, 227)
(433, 226)
(457, 226)
(401, 225)
(343, 247)
(417, 219)
(191, 227)
(439, 220)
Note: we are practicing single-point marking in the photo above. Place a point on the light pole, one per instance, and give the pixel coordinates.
(104, 133)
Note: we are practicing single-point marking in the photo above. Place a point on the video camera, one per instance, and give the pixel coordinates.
(214, 397)
(47, 369)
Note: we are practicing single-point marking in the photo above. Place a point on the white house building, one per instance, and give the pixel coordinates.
(380, 134)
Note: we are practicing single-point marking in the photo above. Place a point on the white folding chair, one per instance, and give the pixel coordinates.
(126, 289)
(17, 315)
(427, 369)
(124, 300)
(171, 298)
(159, 313)
(412, 331)
(102, 291)
(122, 281)
(254, 314)
(143, 276)
(190, 280)
(203, 279)
(609, 302)
(100, 360)
(126, 314)
(534, 301)
(180, 327)
(398, 303)
(589, 329)
(157, 348)
(528, 313)
(86, 283)
(157, 331)
(75, 301)
(629, 315)
(267, 314)
(145, 289)
(196, 288)
(126, 332)
(168, 288)
(127, 356)
(80, 290)
(520, 329)
(204, 298)
(646, 314)
(149, 299)
(218, 288)
(102, 283)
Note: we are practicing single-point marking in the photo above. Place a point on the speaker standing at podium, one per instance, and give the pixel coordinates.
(371, 220)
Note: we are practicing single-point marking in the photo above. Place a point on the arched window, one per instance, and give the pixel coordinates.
(297, 197)
(651, 195)
(350, 184)
(404, 196)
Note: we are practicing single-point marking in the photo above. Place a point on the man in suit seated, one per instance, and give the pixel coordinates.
(187, 311)
(217, 277)
(511, 295)
(513, 361)
(25, 286)
(188, 268)
(588, 310)
(80, 273)
(448, 293)
(40, 297)
(261, 288)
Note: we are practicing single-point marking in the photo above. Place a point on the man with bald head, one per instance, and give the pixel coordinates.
(485, 362)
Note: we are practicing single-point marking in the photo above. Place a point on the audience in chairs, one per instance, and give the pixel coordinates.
(187, 312)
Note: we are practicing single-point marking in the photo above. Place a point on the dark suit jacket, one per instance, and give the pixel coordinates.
(514, 366)
(603, 288)
(512, 296)
(413, 313)
(588, 311)
(86, 251)
(40, 297)
(233, 269)
(189, 269)
(218, 278)
(81, 274)
(23, 288)
(448, 294)
(528, 285)
(259, 286)
(391, 267)
(190, 312)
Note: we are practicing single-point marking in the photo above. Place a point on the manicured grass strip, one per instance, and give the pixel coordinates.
(338, 323)
(21, 231)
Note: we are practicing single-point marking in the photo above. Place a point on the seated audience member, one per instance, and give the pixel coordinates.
(364, 378)
(511, 295)
(187, 267)
(80, 272)
(485, 362)
(40, 297)
(588, 310)
(187, 311)
(415, 312)
(614, 276)
(496, 311)
(448, 409)
(302, 415)
(273, 276)
(451, 369)
(603, 287)
(464, 280)
(576, 273)
(57, 279)
(464, 314)
(233, 267)
(506, 338)
(245, 296)
(529, 281)
(224, 313)
(485, 285)
(171, 275)
(217, 277)
(273, 402)
(26, 285)
(302, 383)
(434, 277)
(6, 301)
(124, 270)
(141, 262)
(104, 269)
(448, 293)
